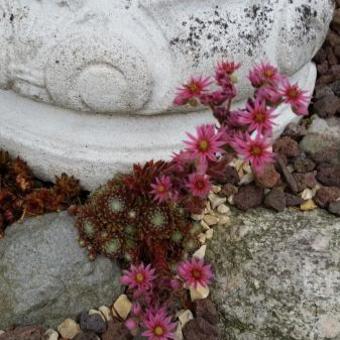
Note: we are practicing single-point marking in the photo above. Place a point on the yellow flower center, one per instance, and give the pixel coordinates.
(269, 73)
(161, 189)
(292, 93)
(256, 151)
(194, 88)
(158, 330)
(203, 145)
(196, 274)
(139, 278)
(259, 117)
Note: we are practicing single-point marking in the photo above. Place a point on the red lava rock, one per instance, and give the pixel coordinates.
(286, 146)
(228, 190)
(305, 181)
(293, 200)
(327, 106)
(24, 333)
(295, 131)
(293, 186)
(321, 56)
(248, 197)
(326, 79)
(276, 200)
(323, 67)
(323, 91)
(231, 176)
(207, 310)
(329, 175)
(116, 331)
(326, 195)
(328, 155)
(86, 336)
(268, 178)
(304, 164)
(200, 329)
(334, 208)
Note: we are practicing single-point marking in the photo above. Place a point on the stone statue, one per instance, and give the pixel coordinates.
(108, 70)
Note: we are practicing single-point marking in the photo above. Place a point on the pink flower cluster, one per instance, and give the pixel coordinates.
(244, 133)
(146, 287)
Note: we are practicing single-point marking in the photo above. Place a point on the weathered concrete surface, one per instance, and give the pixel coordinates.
(278, 276)
(46, 277)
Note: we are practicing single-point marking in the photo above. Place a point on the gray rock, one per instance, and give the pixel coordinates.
(278, 276)
(46, 277)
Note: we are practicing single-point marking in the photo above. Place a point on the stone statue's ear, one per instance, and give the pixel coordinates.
(302, 31)
(98, 72)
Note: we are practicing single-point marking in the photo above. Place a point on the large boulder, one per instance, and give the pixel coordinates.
(278, 276)
(45, 276)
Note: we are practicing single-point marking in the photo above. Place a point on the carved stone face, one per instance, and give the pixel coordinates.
(128, 56)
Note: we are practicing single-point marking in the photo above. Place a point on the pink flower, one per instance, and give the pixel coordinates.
(131, 324)
(161, 189)
(217, 98)
(258, 116)
(195, 87)
(195, 272)
(199, 185)
(224, 72)
(264, 74)
(270, 94)
(293, 95)
(158, 325)
(257, 151)
(205, 144)
(136, 309)
(139, 277)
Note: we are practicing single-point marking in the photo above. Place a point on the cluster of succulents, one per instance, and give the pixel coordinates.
(126, 224)
(22, 195)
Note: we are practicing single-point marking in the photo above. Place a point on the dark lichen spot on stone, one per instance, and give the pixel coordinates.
(11, 18)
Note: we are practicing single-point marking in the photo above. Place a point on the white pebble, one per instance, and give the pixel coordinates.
(307, 194)
(68, 329)
(199, 293)
(210, 220)
(223, 220)
(209, 234)
(205, 225)
(223, 209)
(50, 334)
(2, 332)
(197, 217)
(106, 312)
(184, 316)
(94, 311)
(122, 306)
(202, 238)
(216, 189)
(200, 253)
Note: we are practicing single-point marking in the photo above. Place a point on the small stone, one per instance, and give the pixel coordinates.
(334, 208)
(216, 200)
(116, 331)
(304, 181)
(178, 332)
(200, 253)
(228, 190)
(68, 329)
(200, 329)
(326, 195)
(199, 293)
(307, 194)
(268, 178)
(216, 189)
(207, 310)
(304, 164)
(204, 225)
(2, 332)
(248, 197)
(223, 220)
(184, 316)
(295, 131)
(293, 200)
(50, 334)
(202, 238)
(329, 175)
(326, 155)
(122, 307)
(209, 234)
(196, 217)
(327, 106)
(210, 220)
(231, 175)
(94, 311)
(86, 336)
(286, 146)
(308, 205)
(276, 200)
(287, 175)
(247, 179)
(106, 312)
(223, 209)
(92, 323)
